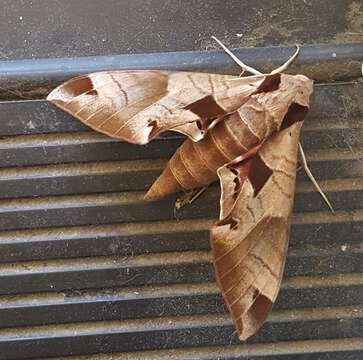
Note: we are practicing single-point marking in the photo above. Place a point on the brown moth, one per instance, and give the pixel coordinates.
(244, 131)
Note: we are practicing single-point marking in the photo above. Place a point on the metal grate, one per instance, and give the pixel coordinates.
(86, 267)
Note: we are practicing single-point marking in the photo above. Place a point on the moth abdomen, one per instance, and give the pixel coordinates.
(195, 164)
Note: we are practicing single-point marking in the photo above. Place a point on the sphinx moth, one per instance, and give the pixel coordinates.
(244, 130)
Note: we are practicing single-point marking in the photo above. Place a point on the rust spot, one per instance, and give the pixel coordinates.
(233, 170)
(270, 83)
(207, 109)
(155, 128)
(295, 113)
(238, 182)
(237, 187)
(241, 172)
(79, 86)
(229, 220)
(259, 174)
(261, 307)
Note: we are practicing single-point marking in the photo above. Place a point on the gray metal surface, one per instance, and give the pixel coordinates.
(58, 28)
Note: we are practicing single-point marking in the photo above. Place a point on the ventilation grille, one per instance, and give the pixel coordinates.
(87, 267)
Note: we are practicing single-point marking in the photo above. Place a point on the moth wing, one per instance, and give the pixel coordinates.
(135, 106)
(249, 243)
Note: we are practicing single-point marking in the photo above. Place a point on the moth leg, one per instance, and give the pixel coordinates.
(198, 193)
(312, 179)
(188, 197)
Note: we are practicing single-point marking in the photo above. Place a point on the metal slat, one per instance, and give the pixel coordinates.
(115, 239)
(160, 268)
(86, 147)
(183, 331)
(338, 349)
(156, 237)
(128, 206)
(168, 300)
(62, 148)
(106, 177)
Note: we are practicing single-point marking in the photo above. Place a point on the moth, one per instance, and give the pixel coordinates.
(242, 130)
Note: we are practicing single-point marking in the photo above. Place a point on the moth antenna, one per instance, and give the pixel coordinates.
(311, 177)
(284, 66)
(252, 70)
(235, 58)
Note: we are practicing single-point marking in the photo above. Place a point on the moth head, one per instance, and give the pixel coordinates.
(302, 87)
(285, 97)
(298, 89)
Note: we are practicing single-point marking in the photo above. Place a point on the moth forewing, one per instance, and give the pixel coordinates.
(136, 106)
(249, 244)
